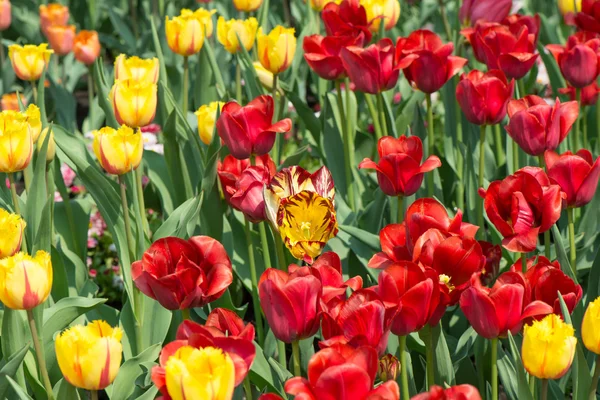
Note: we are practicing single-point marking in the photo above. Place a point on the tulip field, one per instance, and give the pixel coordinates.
(299, 199)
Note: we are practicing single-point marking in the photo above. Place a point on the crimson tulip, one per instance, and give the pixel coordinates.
(182, 274)
(230, 171)
(521, 206)
(349, 18)
(249, 130)
(394, 247)
(421, 51)
(224, 322)
(371, 69)
(493, 256)
(589, 17)
(532, 22)
(578, 60)
(473, 11)
(459, 392)
(483, 97)
(537, 126)
(576, 174)
(322, 54)
(399, 170)
(589, 94)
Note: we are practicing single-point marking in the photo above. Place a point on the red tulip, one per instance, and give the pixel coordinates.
(589, 17)
(421, 51)
(521, 206)
(493, 256)
(248, 130)
(322, 54)
(578, 60)
(371, 69)
(589, 94)
(473, 11)
(483, 97)
(399, 171)
(183, 274)
(576, 174)
(231, 169)
(224, 322)
(290, 303)
(393, 245)
(516, 21)
(460, 392)
(349, 18)
(537, 126)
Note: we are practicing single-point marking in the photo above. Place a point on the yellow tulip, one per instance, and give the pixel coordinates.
(25, 281)
(276, 50)
(11, 233)
(548, 347)
(388, 10)
(89, 356)
(229, 31)
(247, 5)
(134, 102)
(138, 69)
(319, 5)
(16, 142)
(207, 115)
(118, 150)
(568, 6)
(207, 373)
(29, 61)
(590, 327)
(264, 75)
(33, 117)
(51, 152)
(205, 16)
(185, 33)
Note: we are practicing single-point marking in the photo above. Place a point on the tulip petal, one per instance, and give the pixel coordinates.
(345, 381)
(508, 302)
(481, 312)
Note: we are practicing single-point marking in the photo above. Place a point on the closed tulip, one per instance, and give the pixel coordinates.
(349, 18)
(10, 102)
(318, 5)
(185, 33)
(567, 7)
(589, 94)
(61, 38)
(89, 356)
(371, 69)
(473, 11)
(134, 102)
(143, 70)
(34, 120)
(86, 47)
(207, 115)
(462, 392)
(235, 33)
(53, 14)
(5, 14)
(576, 174)
(590, 327)
(13, 227)
(276, 49)
(247, 5)
(483, 97)
(29, 61)
(205, 16)
(578, 60)
(119, 151)
(589, 17)
(230, 171)
(16, 140)
(389, 366)
(548, 347)
(51, 151)
(25, 281)
(322, 54)
(387, 11)
(229, 324)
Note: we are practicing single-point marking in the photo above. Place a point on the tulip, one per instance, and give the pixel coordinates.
(249, 130)
(371, 70)
(207, 115)
(183, 274)
(247, 5)
(589, 17)
(205, 16)
(185, 33)
(318, 5)
(227, 323)
(118, 150)
(462, 392)
(34, 120)
(29, 61)
(144, 70)
(51, 151)
(53, 14)
(388, 368)
(493, 256)
(399, 171)
(264, 75)
(473, 11)
(516, 21)
(589, 94)
(13, 227)
(86, 47)
(5, 14)
(89, 356)
(134, 102)
(230, 171)
(394, 245)
(381, 10)
(576, 174)
(578, 60)
(590, 327)
(421, 51)
(548, 347)
(17, 141)
(322, 54)
(230, 33)
(483, 97)
(61, 38)
(276, 50)
(25, 281)
(349, 18)
(567, 7)
(10, 102)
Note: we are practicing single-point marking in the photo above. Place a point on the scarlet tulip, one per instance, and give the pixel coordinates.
(394, 246)
(230, 170)
(349, 18)
(5, 14)
(521, 206)
(183, 274)
(576, 174)
(459, 392)
(249, 130)
(399, 170)
(537, 126)
(53, 14)
(61, 38)
(318, 5)
(493, 256)
(578, 60)
(86, 47)
(483, 97)
(589, 17)
(589, 94)
(322, 54)
(473, 11)
(532, 22)
(371, 69)
(224, 322)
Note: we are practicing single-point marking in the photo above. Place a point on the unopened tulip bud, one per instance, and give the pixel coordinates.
(17, 141)
(61, 38)
(388, 368)
(135, 68)
(206, 115)
(51, 152)
(230, 33)
(34, 119)
(10, 102)
(276, 50)
(134, 102)
(5, 14)
(86, 47)
(53, 14)
(25, 281)
(185, 33)
(247, 5)
(118, 150)
(381, 10)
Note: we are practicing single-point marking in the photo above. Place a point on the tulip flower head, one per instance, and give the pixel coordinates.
(61, 38)
(371, 69)
(589, 94)
(16, 138)
(264, 75)
(387, 11)
(590, 327)
(29, 61)
(318, 5)
(230, 171)
(235, 33)
(137, 69)
(207, 116)
(53, 14)
(118, 150)
(86, 47)
(25, 281)
(11, 232)
(34, 120)
(51, 151)
(229, 324)
(576, 174)
(389, 366)
(322, 54)
(349, 18)
(205, 16)
(588, 19)
(10, 102)
(134, 102)
(185, 33)
(516, 21)
(276, 49)
(463, 392)
(548, 347)
(578, 60)
(473, 11)
(5, 14)
(247, 5)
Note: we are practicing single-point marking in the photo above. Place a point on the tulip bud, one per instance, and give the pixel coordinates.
(137, 69)
(134, 102)
(5, 16)
(118, 150)
(51, 145)
(86, 47)
(33, 118)
(207, 115)
(276, 50)
(388, 368)
(205, 16)
(381, 10)
(61, 38)
(10, 102)
(12, 233)
(372, 69)
(229, 31)
(89, 356)
(29, 61)
(548, 347)
(53, 14)
(318, 5)
(15, 138)
(483, 97)
(590, 327)
(185, 33)
(25, 281)
(576, 174)
(247, 5)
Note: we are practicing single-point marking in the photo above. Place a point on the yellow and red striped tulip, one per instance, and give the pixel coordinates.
(16, 142)
(5, 14)
(53, 14)
(206, 115)
(10, 102)
(134, 102)
(247, 5)
(185, 33)
(137, 69)
(51, 151)
(25, 281)
(11, 233)
(276, 50)
(590, 327)
(61, 38)
(118, 150)
(228, 32)
(378, 10)
(29, 61)
(86, 47)
(205, 16)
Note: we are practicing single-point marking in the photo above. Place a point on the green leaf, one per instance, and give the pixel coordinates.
(15, 335)
(210, 53)
(251, 82)
(21, 394)
(556, 79)
(122, 387)
(120, 25)
(41, 89)
(10, 369)
(64, 390)
(159, 178)
(523, 384)
(308, 117)
(103, 89)
(182, 221)
(561, 253)
(262, 375)
(443, 361)
(36, 197)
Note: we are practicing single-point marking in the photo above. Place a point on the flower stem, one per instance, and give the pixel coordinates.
(532, 385)
(16, 206)
(253, 278)
(94, 394)
(238, 82)
(400, 209)
(90, 97)
(594, 386)
(281, 354)
(585, 128)
(427, 337)
(598, 124)
(494, 369)
(542, 163)
(347, 145)
(480, 220)
(381, 108)
(578, 122)
(524, 262)
(185, 313)
(34, 91)
(39, 354)
(130, 244)
(140, 197)
(403, 368)
(276, 155)
(186, 82)
(374, 117)
(2, 56)
(573, 250)
(430, 143)
(500, 158)
(460, 162)
(279, 247)
(265, 244)
(247, 388)
(445, 20)
(296, 357)
(544, 394)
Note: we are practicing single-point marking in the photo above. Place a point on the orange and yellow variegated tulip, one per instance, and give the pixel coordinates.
(34, 119)
(378, 10)
(207, 115)
(61, 38)
(134, 102)
(207, 373)
(51, 151)
(135, 68)
(185, 33)
(318, 5)
(29, 61)
(276, 50)
(86, 47)
(247, 5)
(228, 32)
(205, 16)
(590, 327)
(53, 14)
(25, 281)
(5, 14)
(548, 347)
(11, 233)
(10, 102)
(16, 142)
(89, 356)
(118, 150)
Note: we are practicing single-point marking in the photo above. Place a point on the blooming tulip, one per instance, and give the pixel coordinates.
(483, 97)
(462, 392)
(589, 94)
(86, 47)
(322, 54)
(34, 120)
(578, 60)
(227, 323)
(25, 281)
(235, 33)
(61, 38)
(576, 174)
(10, 102)
(590, 327)
(249, 130)
(16, 140)
(51, 150)
(137, 69)
(516, 21)
(89, 356)
(399, 170)
(349, 18)
(247, 5)
(29, 61)
(5, 14)
(53, 14)
(473, 11)
(537, 126)
(381, 10)
(183, 274)
(548, 347)
(207, 115)
(185, 33)
(421, 51)
(371, 70)
(589, 17)
(134, 102)
(276, 50)
(318, 5)
(118, 150)
(205, 16)
(12, 233)
(230, 171)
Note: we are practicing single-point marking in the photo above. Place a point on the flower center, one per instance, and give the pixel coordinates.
(445, 279)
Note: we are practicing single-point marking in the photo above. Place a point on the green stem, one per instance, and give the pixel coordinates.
(480, 220)
(400, 209)
(186, 314)
(542, 163)
(253, 278)
(94, 394)
(460, 162)
(374, 116)
(445, 20)
(430, 143)
(281, 354)
(544, 394)
(515, 147)
(247, 388)
(572, 248)
(381, 109)
(403, 368)
(40, 354)
(130, 244)
(140, 197)
(494, 369)
(577, 122)
(91, 98)
(279, 247)
(265, 244)
(34, 91)
(2, 56)
(585, 128)
(16, 206)
(524, 262)
(347, 146)
(594, 385)
(276, 152)
(429, 355)
(186, 82)
(598, 124)
(238, 82)
(500, 158)
(532, 385)
(296, 357)
(351, 121)
(133, 11)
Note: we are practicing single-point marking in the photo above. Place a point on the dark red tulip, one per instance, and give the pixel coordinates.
(371, 69)
(589, 94)
(589, 17)
(493, 256)
(516, 21)
(231, 169)
(399, 170)
(578, 60)
(393, 245)
(460, 392)
(224, 322)
(290, 303)
(322, 54)
(483, 97)
(537, 126)
(249, 130)
(421, 51)
(348, 18)
(521, 206)
(473, 11)
(576, 174)
(183, 274)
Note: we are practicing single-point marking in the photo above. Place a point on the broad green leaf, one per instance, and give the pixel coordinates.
(10, 368)
(21, 394)
(36, 198)
(523, 384)
(122, 387)
(182, 221)
(443, 361)
(64, 390)
(103, 89)
(561, 253)
(15, 335)
(159, 178)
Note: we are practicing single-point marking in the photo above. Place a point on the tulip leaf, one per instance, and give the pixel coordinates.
(251, 82)
(64, 390)
(36, 197)
(561, 253)
(556, 79)
(523, 384)
(262, 374)
(159, 178)
(332, 143)
(21, 394)
(103, 89)
(593, 288)
(182, 221)
(162, 76)
(465, 344)
(10, 368)
(388, 115)
(41, 95)
(122, 28)
(443, 361)
(210, 53)
(308, 117)
(15, 335)
(122, 387)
